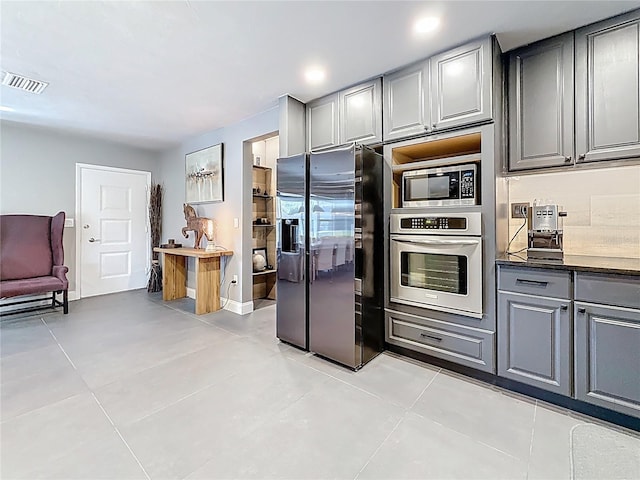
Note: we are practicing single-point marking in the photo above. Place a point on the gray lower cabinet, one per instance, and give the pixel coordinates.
(607, 341)
(534, 341)
(534, 327)
(352, 115)
(461, 85)
(406, 102)
(608, 89)
(541, 104)
(607, 356)
(472, 347)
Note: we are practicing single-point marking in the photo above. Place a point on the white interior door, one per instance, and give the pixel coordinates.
(113, 231)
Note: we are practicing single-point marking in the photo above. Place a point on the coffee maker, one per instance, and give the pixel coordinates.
(545, 232)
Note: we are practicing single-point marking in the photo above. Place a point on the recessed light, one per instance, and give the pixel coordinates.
(426, 25)
(314, 75)
(6, 109)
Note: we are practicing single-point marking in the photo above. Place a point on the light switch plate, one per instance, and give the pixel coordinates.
(236, 223)
(69, 222)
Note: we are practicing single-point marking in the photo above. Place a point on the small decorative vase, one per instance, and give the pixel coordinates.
(259, 262)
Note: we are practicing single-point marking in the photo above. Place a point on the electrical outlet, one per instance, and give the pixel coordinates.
(234, 279)
(519, 210)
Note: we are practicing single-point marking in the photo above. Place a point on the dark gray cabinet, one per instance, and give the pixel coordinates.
(352, 115)
(561, 116)
(461, 85)
(534, 331)
(608, 89)
(541, 104)
(607, 341)
(449, 90)
(406, 102)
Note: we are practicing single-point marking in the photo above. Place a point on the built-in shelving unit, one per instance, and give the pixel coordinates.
(263, 220)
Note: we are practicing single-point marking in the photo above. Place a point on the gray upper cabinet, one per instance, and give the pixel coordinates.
(607, 89)
(361, 113)
(406, 102)
(461, 85)
(607, 341)
(541, 104)
(352, 115)
(322, 122)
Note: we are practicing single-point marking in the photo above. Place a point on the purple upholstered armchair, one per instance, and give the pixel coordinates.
(32, 257)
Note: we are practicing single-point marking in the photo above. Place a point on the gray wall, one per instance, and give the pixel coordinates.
(38, 172)
(237, 198)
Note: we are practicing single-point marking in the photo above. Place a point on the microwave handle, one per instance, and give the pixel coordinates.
(438, 242)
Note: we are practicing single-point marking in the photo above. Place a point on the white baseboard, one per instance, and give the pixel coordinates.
(231, 305)
(73, 295)
(237, 307)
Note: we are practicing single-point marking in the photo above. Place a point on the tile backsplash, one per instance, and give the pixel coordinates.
(602, 205)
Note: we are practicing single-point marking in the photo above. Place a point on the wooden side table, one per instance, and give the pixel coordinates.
(174, 276)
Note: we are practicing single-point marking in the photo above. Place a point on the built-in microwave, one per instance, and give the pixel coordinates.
(437, 187)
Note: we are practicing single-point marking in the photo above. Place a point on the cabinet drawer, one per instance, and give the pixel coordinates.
(618, 290)
(546, 283)
(467, 346)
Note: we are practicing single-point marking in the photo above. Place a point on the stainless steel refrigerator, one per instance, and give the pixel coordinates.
(291, 241)
(340, 230)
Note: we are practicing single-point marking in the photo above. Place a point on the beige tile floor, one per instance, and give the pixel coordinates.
(126, 386)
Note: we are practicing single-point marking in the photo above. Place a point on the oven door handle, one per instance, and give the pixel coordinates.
(437, 242)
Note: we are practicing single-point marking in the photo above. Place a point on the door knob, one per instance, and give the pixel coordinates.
(85, 226)
(91, 240)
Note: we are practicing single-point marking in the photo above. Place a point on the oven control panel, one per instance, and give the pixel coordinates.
(433, 223)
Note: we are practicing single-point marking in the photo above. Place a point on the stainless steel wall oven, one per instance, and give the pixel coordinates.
(436, 261)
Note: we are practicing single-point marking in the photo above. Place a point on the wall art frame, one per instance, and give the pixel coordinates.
(204, 175)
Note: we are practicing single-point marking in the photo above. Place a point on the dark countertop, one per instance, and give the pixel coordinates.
(581, 263)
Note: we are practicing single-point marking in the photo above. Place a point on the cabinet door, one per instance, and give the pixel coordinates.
(361, 113)
(534, 341)
(406, 102)
(322, 122)
(541, 104)
(607, 89)
(607, 346)
(461, 85)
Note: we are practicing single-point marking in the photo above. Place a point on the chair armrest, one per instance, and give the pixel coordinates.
(60, 271)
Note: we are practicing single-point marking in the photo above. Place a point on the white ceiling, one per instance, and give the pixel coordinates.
(151, 74)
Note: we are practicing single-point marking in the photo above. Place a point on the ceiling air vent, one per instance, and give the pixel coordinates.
(26, 84)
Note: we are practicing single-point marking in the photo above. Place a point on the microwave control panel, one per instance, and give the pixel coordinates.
(433, 223)
(467, 183)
